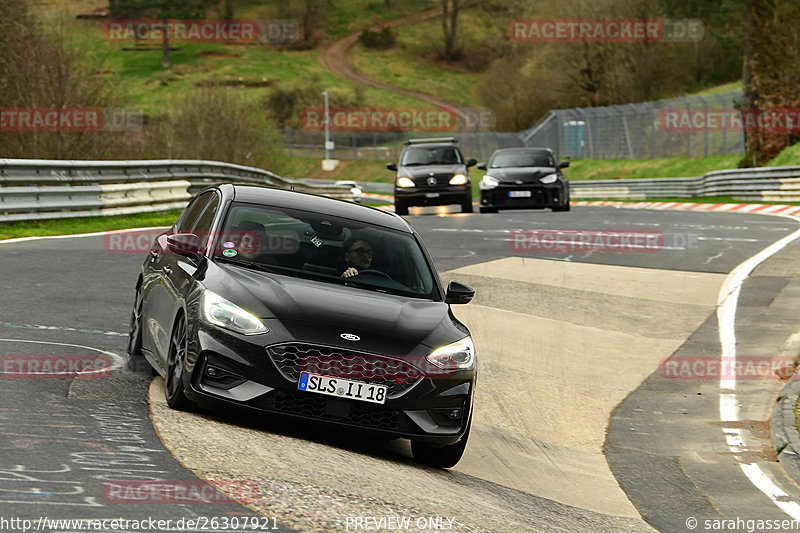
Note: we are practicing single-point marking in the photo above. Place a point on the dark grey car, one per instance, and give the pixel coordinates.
(523, 178)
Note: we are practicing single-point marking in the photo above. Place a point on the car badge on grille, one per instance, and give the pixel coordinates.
(431, 181)
(350, 337)
(519, 182)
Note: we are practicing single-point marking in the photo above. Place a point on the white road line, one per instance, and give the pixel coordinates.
(118, 360)
(727, 301)
(23, 239)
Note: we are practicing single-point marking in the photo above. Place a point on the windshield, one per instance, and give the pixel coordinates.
(440, 155)
(534, 159)
(312, 245)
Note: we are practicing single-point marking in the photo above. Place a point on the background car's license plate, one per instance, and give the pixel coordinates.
(519, 194)
(431, 195)
(342, 388)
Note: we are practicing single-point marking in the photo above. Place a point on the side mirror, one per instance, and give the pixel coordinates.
(481, 166)
(563, 164)
(471, 163)
(458, 293)
(186, 244)
(391, 166)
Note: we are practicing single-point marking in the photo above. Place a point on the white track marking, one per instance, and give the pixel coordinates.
(118, 360)
(727, 301)
(23, 239)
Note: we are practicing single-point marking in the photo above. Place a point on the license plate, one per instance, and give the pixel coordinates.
(431, 195)
(342, 388)
(519, 194)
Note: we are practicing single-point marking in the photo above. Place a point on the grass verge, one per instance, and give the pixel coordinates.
(72, 226)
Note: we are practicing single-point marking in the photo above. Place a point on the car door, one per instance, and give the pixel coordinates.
(168, 274)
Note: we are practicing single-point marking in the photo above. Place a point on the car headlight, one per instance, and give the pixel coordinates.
(549, 179)
(489, 182)
(220, 312)
(403, 181)
(459, 355)
(458, 179)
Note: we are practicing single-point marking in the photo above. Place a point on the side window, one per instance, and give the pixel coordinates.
(192, 213)
(206, 218)
(202, 227)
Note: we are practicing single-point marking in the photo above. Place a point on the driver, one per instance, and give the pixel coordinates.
(358, 254)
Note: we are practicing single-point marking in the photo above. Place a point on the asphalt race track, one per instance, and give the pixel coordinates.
(579, 424)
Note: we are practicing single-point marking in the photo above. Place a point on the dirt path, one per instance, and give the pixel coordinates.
(335, 57)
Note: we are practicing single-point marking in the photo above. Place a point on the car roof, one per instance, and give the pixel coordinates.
(429, 145)
(522, 150)
(318, 204)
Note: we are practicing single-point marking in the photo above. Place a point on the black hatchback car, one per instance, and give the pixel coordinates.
(432, 172)
(315, 308)
(523, 178)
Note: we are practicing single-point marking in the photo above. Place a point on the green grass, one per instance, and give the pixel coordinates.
(672, 167)
(353, 15)
(412, 63)
(788, 157)
(71, 226)
(145, 84)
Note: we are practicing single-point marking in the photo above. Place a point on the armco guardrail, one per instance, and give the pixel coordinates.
(32, 189)
(758, 184)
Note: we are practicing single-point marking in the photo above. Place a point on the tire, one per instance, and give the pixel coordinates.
(440, 456)
(467, 207)
(564, 207)
(135, 360)
(400, 209)
(486, 209)
(176, 367)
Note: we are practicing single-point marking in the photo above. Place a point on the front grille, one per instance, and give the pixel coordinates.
(441, 180)
(316, 406)
(397, 375)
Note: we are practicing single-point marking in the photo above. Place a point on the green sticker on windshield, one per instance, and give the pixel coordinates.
(229, 253)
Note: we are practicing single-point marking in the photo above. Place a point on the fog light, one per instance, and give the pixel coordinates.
(212, 371)
(454, 414)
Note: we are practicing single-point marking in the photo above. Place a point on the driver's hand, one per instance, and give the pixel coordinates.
(350, 272)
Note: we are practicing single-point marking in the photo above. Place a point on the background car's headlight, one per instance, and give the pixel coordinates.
(549, 179)
(457, 356)
(404, 182)
(490, 182)
(458, 179)
(220, 312)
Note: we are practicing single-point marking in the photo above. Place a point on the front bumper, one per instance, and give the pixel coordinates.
(247, 374)
(539, 196)
(453, 194)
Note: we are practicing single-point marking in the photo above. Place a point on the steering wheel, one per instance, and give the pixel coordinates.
(374, 272)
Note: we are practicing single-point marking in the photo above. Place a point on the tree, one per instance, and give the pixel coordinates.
(450, 11)
(163, 10)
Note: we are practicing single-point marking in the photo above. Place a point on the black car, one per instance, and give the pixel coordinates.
(432, 172)
(523, 178)
(251, 299)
